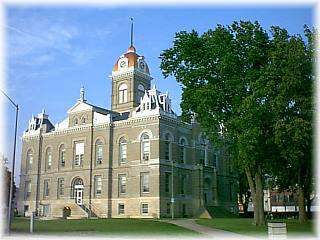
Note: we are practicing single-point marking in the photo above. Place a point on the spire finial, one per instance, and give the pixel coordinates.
(82, 94)
(131, 38)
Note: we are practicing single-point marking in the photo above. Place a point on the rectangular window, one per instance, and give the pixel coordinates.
(60, 187)
(98, 185)
(122, 184)
(79, 152)
(121, 208)
(144, 180)
(167, 182)
(46, 188)
(144, 208)
(145, 150)
(27, 190)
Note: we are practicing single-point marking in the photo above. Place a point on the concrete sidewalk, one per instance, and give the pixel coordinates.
(208, 232)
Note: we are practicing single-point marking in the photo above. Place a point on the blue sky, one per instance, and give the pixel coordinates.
(53, 51)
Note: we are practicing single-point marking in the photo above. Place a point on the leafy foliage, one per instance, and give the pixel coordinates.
(253, 91)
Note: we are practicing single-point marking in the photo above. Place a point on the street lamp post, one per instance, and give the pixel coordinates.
(13, 163)
(172, 193)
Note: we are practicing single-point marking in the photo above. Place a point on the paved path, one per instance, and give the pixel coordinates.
(208, 232)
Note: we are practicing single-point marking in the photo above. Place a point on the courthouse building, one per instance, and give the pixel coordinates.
(136, 160)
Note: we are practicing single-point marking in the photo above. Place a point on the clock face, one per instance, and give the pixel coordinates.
(122, 64)
(141, 65)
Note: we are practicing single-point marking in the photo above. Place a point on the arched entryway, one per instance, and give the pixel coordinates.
(77, 190)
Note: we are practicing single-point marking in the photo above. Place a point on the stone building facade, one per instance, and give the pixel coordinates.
(136, 160)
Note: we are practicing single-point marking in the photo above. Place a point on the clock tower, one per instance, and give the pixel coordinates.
(130, 79)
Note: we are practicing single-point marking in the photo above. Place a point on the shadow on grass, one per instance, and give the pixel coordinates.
(102, 227)
(245, 226)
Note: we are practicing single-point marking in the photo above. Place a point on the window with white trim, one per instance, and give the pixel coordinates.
(29, 160)
(99, 152)
(60, 187)
(145, 147)
(144, 208)
(144, 182)
(123, 93)
(78, 153)
(46, 190)
(62, 153)
(123, 150)
(97, 185)
(48, 159)
(120, 208)
(122, 184)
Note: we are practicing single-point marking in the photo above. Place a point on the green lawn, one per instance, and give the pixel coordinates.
(102, 226)
(245, 226)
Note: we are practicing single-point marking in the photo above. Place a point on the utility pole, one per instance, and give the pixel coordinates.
(13, 162)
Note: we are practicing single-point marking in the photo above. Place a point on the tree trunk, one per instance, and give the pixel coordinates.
(257, 196)
(302, 206)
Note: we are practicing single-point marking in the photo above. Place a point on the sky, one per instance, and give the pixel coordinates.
(52, 51)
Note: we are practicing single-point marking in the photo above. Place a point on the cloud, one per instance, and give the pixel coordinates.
(38, 41)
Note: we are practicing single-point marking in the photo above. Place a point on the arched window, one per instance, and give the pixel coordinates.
(123, 93)
(99, 152)
(145, 147)
(182, 150)
(62, 156)
(75, 121)
(168, 147)
(29, 160)
(83, 120)
(123, 150)
(140, 91)
(48, 159)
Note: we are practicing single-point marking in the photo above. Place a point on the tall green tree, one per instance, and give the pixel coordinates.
(225, 74)
(290, 71)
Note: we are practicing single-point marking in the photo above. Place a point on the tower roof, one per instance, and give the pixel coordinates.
(132, 60)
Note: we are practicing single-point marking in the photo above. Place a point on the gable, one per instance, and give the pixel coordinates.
(79, 107)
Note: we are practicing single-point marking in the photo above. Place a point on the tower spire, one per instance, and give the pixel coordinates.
(82, 98)
(131, 37)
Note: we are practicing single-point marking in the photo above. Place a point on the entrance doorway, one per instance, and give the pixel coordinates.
(77, 190)
(79, 194)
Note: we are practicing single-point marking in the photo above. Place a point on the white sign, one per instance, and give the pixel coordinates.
(172, 200)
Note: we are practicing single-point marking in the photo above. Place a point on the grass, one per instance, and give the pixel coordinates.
(244, 226)
(101, 226)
